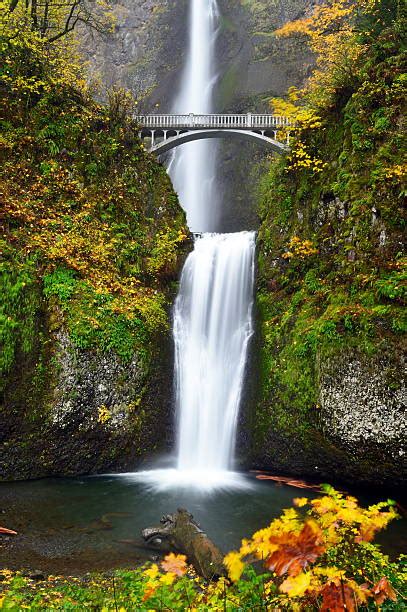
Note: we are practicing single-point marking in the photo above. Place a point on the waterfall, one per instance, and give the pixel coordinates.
(213, 310)
(212, 314)
(212, 327)
(193, 166)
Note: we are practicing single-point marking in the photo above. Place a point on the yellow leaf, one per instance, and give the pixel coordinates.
(296, 586)
(167, 579)
(152, 572)
(234, 565)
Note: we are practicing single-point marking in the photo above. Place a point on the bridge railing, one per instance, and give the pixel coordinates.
(238, 121)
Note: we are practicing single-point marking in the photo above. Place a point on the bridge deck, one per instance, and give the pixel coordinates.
(198, 122)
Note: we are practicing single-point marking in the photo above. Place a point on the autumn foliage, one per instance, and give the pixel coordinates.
(89, 221)
(315, 556)
(318, 556)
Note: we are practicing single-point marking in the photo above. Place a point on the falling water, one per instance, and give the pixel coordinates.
(193, 166)
(212, 327)
(212, 314)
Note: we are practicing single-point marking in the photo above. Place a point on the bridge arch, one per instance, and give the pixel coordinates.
(170, 142)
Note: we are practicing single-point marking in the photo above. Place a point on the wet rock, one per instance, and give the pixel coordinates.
(98, 415)
(362, 404)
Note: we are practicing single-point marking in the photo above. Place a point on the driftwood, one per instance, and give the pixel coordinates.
(291, 482)
(183, 535)
(5, 531)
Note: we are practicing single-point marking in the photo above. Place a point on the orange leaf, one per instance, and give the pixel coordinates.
(148, 593)
(337, 598)
(176, 564)
(383, 590)
(295, 551)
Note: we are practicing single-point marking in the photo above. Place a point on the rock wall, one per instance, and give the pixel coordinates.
(144, 53)
(362, 403)
(95, 413)
(331, 294)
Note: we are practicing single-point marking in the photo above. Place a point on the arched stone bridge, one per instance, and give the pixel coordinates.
(164, 132)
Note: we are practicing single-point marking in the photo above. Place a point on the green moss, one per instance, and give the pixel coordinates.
(19, 306)
(350, 295)
(228, 85)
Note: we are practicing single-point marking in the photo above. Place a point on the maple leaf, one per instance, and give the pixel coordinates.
(366, 533)
(383, 590)
(296, 586)
(337, 598)
(175, 564)
(295, 551)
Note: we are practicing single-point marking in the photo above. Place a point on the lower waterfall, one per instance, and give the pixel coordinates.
(212, 327)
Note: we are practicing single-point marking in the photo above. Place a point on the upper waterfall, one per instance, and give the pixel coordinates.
(193, 166)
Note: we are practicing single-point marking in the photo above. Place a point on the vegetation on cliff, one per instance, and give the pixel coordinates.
(332, 271)
(90, 221)
(316, 556)
(92, 233)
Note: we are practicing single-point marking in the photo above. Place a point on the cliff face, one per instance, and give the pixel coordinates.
(93, 240)
(146, 54)
(331, 289)
(147, 50)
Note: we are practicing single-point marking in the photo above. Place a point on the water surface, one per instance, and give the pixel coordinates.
(82, 524)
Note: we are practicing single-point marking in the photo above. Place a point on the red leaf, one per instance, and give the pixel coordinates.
(176, 564)
(337, 598)
(383, 590)
(295, 551)
(7, 531)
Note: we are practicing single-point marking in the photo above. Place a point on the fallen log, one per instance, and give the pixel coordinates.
(291, 482)
(185, 536)
(5, 531)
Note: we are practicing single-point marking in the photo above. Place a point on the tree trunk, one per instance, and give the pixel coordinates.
(184, 536)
